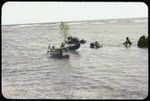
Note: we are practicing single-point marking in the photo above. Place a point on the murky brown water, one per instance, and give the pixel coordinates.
(109, 72)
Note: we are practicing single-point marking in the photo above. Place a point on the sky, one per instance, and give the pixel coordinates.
(38, 12)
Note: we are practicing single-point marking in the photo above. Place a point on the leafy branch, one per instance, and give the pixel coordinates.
(64, 29)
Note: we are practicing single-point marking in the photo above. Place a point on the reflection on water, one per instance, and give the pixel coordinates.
(110, 72)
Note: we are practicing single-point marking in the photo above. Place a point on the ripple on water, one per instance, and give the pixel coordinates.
(109, 72)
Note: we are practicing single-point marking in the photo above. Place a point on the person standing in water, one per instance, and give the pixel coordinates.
(49, 48)
(62, 45)
(127, 43)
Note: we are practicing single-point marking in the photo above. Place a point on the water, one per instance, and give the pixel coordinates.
(111, 72)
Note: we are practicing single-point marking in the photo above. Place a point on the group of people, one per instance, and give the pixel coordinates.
(56, 50)
(95, 45)
(59, 51)
(127, 43)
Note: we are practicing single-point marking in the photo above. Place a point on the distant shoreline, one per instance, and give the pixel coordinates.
(135, 18)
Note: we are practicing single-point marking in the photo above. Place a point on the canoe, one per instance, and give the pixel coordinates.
(57, 54)
(74, 47)
(61, 56)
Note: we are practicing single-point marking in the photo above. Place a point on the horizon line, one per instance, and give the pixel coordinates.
(72, 21)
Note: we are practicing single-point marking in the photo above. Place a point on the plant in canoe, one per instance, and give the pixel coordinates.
(64, 29)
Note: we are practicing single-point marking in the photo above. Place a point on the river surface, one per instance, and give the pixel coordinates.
(111, 72)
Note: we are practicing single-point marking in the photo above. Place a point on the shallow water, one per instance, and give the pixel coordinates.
(110, 72)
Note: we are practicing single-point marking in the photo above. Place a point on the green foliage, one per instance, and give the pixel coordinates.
(64, 28)
(143, 42)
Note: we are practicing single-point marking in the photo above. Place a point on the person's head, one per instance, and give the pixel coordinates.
(69, 38)
(143, 37)
(127, 38)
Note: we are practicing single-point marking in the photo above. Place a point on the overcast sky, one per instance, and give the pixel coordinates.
(36, 12)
